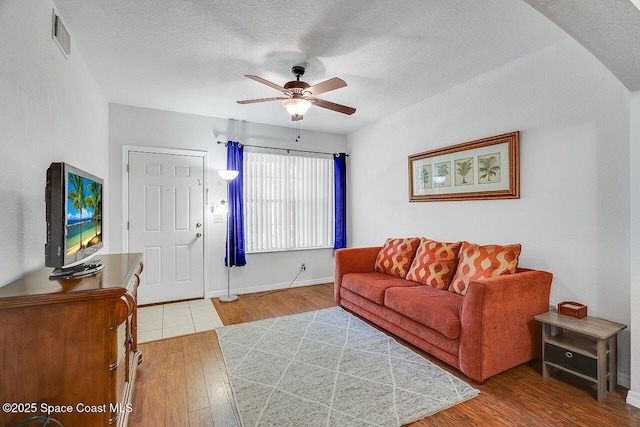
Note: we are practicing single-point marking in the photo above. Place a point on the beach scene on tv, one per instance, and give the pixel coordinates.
(84, 213)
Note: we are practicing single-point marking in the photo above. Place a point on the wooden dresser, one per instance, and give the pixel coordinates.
(69, 346)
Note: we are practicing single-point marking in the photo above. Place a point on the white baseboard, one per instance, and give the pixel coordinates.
(271, 287)
(633, 398)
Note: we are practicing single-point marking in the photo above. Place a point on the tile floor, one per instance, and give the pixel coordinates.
(174, 319)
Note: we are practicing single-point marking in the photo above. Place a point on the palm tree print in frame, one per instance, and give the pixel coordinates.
(442, 175)
(464, 171)
(489, 168)
(424, 177)
(499, 163)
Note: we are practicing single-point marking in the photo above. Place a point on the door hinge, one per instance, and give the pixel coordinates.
(127, 167)
(127, 225)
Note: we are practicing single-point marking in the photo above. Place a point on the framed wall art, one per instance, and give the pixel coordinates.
(487, 168)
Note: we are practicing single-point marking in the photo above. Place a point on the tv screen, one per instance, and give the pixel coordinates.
(74, 216)
(84, 208)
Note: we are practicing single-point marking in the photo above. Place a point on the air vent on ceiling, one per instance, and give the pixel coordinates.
(61, 35)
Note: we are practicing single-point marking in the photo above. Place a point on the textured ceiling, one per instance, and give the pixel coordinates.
(610, 29)
(190, 55)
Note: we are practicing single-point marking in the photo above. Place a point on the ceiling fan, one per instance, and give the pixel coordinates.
(300, 96)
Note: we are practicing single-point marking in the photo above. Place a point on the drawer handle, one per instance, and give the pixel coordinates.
(568, 354)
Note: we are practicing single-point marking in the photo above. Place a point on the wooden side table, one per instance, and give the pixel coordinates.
(584, 347)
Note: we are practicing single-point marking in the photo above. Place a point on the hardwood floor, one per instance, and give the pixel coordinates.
(183, 382)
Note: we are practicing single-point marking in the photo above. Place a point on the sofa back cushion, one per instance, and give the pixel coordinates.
(434, 263)
(478, 262)
(396, 255)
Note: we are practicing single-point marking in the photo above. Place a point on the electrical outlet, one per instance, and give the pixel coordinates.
(303, 267)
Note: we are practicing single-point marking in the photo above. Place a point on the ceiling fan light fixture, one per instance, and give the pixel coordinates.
(296, 106)
(299, 96)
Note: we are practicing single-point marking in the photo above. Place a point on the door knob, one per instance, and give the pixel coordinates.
(198, 235)
(198, 225)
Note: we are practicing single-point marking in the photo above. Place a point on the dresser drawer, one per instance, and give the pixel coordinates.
(571, 360)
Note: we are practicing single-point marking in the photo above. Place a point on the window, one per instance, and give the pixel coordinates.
(288, 202)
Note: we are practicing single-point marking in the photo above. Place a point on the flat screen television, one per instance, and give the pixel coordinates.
(74, 221)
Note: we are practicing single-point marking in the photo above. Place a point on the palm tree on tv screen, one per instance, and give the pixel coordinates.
(94, 200)
(77, 195)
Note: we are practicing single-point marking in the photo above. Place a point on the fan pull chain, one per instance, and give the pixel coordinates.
(297, 132)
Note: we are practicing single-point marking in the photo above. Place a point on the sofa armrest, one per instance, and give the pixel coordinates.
(497, 328)
(353, 260)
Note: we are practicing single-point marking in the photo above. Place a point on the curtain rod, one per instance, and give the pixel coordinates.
(283, 149)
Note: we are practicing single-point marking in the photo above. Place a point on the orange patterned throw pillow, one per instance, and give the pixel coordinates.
(434, 264)
(395, 257)
(478, 262)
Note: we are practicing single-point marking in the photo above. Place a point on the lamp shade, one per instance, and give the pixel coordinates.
(228, 175)
(296, 106)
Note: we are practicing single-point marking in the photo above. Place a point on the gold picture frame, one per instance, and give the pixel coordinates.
(487, 168)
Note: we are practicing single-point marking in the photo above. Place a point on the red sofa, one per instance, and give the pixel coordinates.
(486, 331)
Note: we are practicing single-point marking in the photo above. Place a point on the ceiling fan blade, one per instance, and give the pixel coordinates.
(253, 101)
(266, 82)
(332, 106)
(326, 86)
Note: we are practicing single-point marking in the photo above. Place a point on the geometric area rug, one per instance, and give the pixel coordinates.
(329, 368)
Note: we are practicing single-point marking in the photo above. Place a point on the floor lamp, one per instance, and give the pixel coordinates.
(228, 176)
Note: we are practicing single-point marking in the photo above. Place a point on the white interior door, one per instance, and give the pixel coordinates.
(166, 217)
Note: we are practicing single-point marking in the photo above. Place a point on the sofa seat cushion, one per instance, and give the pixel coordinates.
(372, 286)
(434, 308)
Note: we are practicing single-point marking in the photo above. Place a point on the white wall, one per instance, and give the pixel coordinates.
(573, 215)
(51, 109)
(634, 394)
(154, 128)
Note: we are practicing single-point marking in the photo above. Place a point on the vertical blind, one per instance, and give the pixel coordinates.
(288, 202)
